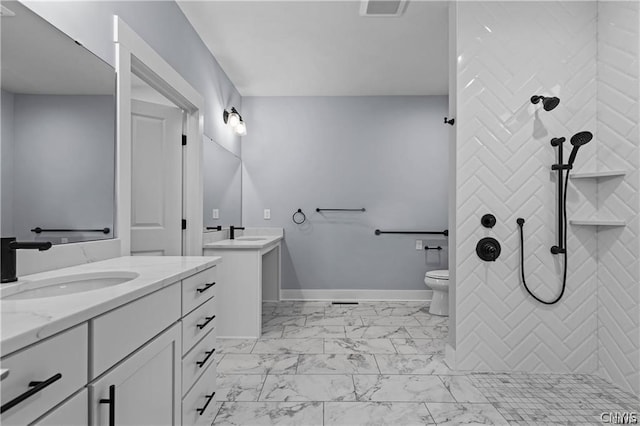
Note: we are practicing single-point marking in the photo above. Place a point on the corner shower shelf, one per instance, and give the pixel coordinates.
(597, 175)
(597, 222)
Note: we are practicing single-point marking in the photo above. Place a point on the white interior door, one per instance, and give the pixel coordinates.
(156, 180)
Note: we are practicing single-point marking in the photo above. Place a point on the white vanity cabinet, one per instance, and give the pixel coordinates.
(43, 375)
(199, 347)
(129, 365)
(249, 275)
(148, 387)
(117, 333)
(144, 389)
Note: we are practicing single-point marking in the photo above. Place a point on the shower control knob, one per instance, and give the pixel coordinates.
(488, 220)
(488, 249)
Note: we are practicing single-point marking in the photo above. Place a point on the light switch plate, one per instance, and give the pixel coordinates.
(216, 213)
(267, 214)
(419, 245)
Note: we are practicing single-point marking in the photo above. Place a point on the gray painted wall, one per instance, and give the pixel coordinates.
(165, 28)
(64, 157)
(6, 155)
(387, 154)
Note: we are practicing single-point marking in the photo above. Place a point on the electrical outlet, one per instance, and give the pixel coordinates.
(267, 214)
(419, 245)
(216, 213)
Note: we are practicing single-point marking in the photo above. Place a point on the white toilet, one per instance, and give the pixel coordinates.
(438, 281)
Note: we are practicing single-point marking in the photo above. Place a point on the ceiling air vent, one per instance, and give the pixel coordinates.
(382, 7)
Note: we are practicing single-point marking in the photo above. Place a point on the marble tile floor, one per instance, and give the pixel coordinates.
(382, 363)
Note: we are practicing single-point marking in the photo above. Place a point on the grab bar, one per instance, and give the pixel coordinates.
(445, 232)
(341, 210)
(39, 230)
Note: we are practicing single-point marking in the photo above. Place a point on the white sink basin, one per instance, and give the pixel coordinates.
(251, 238)
(68, 284)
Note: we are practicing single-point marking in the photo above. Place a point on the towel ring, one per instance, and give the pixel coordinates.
(301, 218)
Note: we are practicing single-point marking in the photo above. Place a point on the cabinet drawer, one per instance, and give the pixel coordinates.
(197, 289)
(121, 331)
(198, 405)
(74, 412)
(194, 364)
(61, 361)
(197, 324)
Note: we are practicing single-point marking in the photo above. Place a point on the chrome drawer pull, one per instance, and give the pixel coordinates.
(206, 287)
(35, 388)
(208, 320)
(209, 398)
(208, 354)
(112, 405)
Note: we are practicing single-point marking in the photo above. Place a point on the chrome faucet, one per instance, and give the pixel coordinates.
(9, 247)
(232, 229)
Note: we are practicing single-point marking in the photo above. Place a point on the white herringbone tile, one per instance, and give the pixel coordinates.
(509, 51)
(618, 149)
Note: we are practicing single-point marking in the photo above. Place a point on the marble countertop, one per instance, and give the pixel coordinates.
(241, 243)
(27, 321)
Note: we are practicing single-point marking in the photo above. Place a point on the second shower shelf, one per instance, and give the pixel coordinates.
(597, 222)
(598, 174)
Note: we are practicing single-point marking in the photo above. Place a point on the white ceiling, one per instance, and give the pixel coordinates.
(37, 58)
(325, 48)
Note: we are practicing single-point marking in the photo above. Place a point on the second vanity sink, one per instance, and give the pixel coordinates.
(68, 284)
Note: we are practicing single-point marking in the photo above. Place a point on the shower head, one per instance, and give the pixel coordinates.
(577, 141)
(547, 103)
(581, 138)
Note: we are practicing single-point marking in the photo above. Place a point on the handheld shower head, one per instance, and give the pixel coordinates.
(577, 141)
(547, 103)
(581, 138)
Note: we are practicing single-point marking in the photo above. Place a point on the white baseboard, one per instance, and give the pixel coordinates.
(355, 295)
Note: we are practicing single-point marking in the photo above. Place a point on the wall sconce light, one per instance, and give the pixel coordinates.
(235, 121)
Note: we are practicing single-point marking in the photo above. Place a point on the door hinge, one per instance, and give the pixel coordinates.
(184, 223)
(184, 140)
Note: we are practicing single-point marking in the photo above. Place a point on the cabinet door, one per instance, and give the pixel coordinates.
(143, 389)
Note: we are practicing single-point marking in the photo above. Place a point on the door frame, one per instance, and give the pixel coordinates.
(133, 54)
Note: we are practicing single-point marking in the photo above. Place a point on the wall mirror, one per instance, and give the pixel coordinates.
(222, 185)
(58, 134)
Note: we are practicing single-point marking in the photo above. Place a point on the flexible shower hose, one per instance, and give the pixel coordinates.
(566, 254)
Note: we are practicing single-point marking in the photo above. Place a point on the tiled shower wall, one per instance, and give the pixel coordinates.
(507, 52)
(618, 248)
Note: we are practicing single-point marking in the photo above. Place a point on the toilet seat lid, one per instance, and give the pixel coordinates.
(442, 274)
